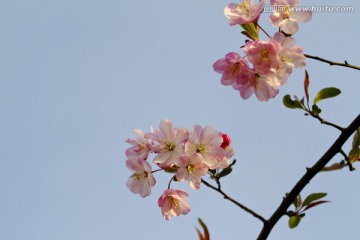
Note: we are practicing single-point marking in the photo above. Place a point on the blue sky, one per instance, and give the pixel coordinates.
(77, 76)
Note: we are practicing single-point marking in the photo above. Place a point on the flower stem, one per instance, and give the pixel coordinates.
(246, 209)
(173, 177)
(262, 29)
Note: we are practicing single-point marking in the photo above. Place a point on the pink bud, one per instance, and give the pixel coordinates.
(226, 141)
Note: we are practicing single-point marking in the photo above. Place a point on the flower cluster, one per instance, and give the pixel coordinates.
(189, 155)
(272, 60)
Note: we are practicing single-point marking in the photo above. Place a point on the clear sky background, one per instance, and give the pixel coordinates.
(77, 76)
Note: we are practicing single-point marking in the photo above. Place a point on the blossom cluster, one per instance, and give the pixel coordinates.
(273, 59)
(189, 155)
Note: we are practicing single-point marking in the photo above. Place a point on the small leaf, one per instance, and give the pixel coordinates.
(354, 154)
(295, 203)
(335, 166)
(289, 103)
(300, 202)
(306, 87)
(224, 172)
(206, 235)
(356, 139)
(313, 204)
(252, 30)
(313, 197)
(248, 35)
(294, 221)
(200, 235)
(315, 109)
(326, 93)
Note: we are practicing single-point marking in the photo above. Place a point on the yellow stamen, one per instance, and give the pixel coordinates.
(244, 7)
(190, 168)
(174, 202)
(139, 175)
(170, 146)
(234, 69)
(265, 54)
(200, 148)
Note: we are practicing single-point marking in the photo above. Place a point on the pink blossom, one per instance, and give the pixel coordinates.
(245, 12)
(232, 67)
(206, 142)
(170, 143)
(288, 15)
(290, 54)
(283, 73)
(173, 203)
(265, 86)
(141, 146)
(191, 168)
(141, 181)
(264, 55)
(228, 154)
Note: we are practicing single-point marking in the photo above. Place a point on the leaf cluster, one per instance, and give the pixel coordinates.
(301, 206)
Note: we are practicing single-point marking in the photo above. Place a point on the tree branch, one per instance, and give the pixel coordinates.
(246, 209)
(310, 173)
(345, 64)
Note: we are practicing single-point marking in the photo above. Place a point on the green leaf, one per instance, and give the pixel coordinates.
(225, 172)
(315, 109)
(295, 203)
(294, 221)
(313, 197)
(354, 154)
(289, 103)
(356, 139)
(252, 30)
(326, 93)
(248, 35)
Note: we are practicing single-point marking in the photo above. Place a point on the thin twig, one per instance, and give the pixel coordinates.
(262, 30)
(346, 157)
(345, 64)
(322, 121)
(157, 170)
(246, 209)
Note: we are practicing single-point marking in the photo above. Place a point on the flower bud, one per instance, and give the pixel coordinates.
(226, 141)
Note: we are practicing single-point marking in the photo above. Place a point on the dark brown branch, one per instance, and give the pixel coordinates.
(345, 64)
(246, 209)
(310, 173)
